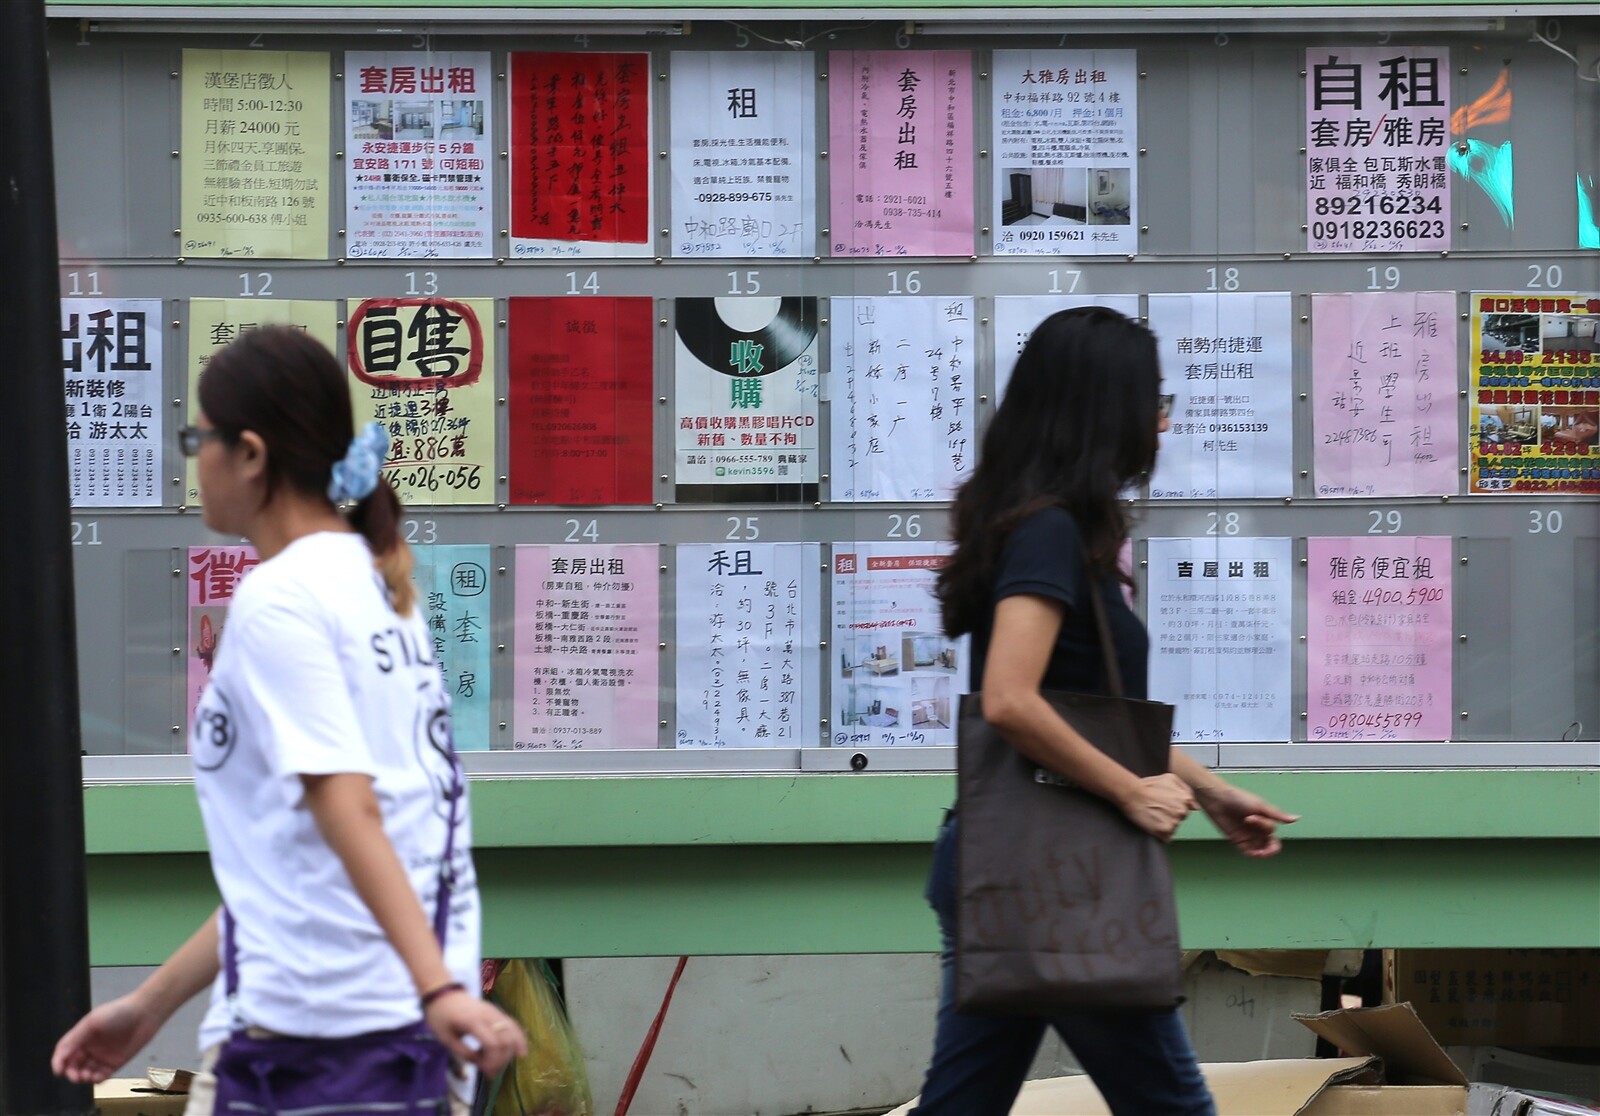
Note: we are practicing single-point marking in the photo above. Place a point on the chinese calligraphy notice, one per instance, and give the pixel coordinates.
(580, 154)
(1378, 643)
(1535, 391)
(901, 390)
(213, 573)
(453, 590)
(746, 374)
(900, 129)
(1066, 129)
(581, 407)
(749, 625)
(1017, 316)
(111, 358)
(586, 660)
(1383, 376)
(255, 154)
(418, 182)
(213, 322)
(743, 140)
(1227, 360)
(424, 368)
(1220, 615)
(1377, 142)
(896, 678)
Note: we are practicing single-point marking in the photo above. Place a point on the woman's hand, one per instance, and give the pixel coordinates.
(496, 1037)
(102, 1041)
(1246, 819)
(1158, 804)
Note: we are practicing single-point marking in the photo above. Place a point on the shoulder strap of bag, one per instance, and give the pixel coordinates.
(1108, 651)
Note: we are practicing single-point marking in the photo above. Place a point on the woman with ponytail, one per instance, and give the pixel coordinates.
(335, 811)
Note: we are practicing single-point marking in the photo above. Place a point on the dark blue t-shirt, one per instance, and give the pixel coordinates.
(1043, 558)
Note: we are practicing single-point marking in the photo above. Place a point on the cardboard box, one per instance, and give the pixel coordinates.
(134, 1096)
(1500, 997)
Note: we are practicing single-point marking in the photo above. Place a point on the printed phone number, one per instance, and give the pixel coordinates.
(1352, 206)
(746, 196)
(1376, 230)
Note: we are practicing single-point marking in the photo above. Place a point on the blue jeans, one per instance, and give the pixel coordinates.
(1141, 1062)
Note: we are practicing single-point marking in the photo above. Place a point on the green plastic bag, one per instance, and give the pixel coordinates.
(550, 1079)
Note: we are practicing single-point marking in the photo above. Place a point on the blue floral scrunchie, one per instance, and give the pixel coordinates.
(356, 476)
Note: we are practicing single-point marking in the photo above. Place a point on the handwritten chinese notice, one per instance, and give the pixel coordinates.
(213, 576)
(746, 375)
(901, 134)
(1227, 360)
(1383, 376)
(1535, 394)
(743, 153)
(1066, 126)
(896, 678)
(586, 660)
(901, 391)
(418, 180)
(1378, 642)
(581, 400)
(1220, 614)
(1377, 140)
(453, 593)
(581, 174)
(111, 360)
(424, 367)
(255, 154)
(1017, 316)
(213, 322)
(749, 628)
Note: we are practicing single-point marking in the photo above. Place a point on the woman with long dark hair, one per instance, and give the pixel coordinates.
(1038, 527)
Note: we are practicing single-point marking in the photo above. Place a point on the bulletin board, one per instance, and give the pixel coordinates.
(685, 339)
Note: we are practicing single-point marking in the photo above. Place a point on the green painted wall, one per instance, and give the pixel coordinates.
(834, 863)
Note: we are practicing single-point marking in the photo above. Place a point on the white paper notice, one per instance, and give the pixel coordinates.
(111, 357)
(901, 388)
(1066, 127)
(1017, 316)
(1383, 381)
(1227, 360)
(749, 629)
(744, 179)
(896, 678)
(419, 183)
(1220, 641)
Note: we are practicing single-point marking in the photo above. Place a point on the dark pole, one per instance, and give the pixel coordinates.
(44, 935)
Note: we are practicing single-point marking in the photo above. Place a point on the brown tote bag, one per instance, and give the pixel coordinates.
(1062, 903)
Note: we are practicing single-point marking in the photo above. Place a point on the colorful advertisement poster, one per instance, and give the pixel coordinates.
(1221, 611)
(901, 131)
(418, 178)
(1227, 359)
(1066, 130)
(896, 678)
(581, 400)
(581, 176)
(1383, 380)
(255, 155)
(901, 394)
(213, 322)
(1377, 142)
(585, 647)
(1535, 394)
(453, 593)
(1017, 316)
(213, 575)
(746, 376)
(744, 179)
(111, 360)
(749, 629)
(424, 367)
(1378, 642)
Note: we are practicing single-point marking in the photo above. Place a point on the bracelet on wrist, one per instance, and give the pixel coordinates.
(428, 997)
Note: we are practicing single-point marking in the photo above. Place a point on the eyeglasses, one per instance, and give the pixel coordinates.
(191, 438)
(1164, 404)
